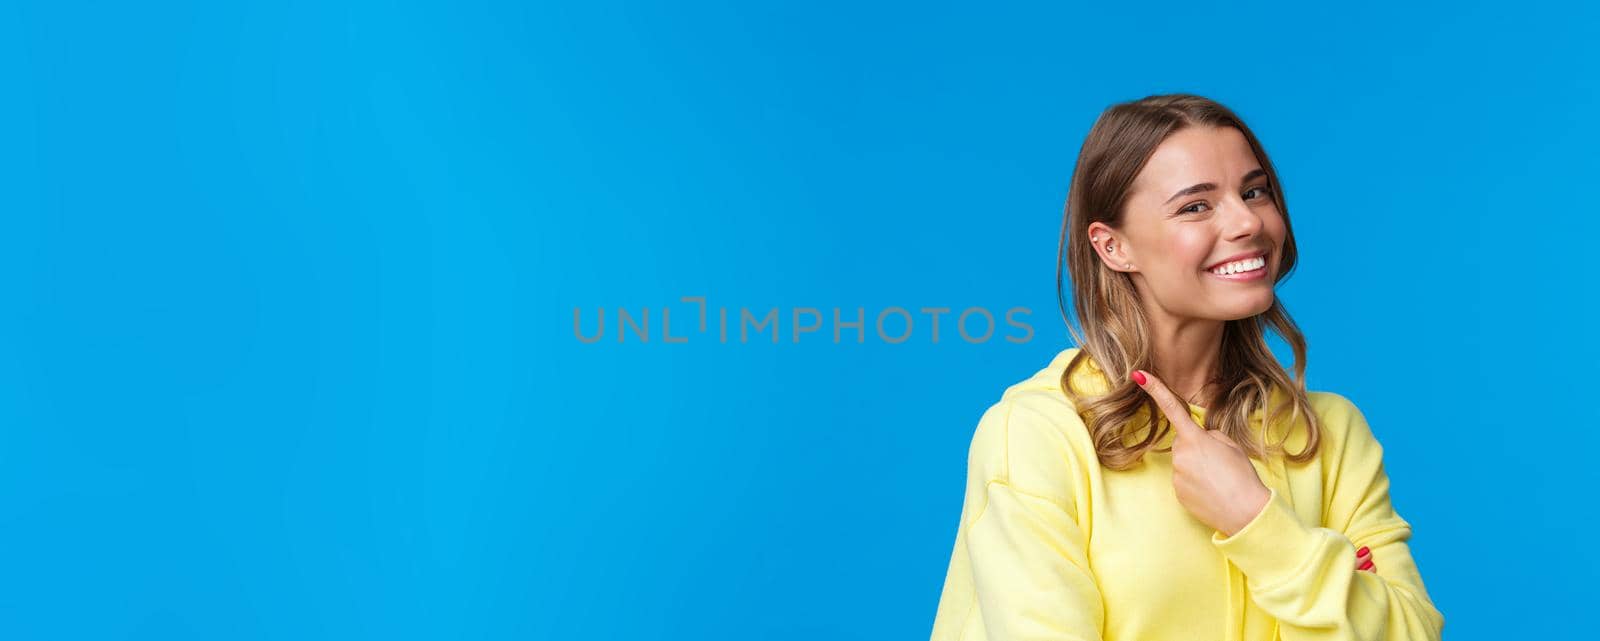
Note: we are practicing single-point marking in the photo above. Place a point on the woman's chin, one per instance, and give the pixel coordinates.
(1241, 306)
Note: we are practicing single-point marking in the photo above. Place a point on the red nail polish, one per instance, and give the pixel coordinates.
(1138, 377)
(1362, 551)
(1367, 565)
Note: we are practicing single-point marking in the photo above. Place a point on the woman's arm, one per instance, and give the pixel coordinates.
(1304, 575)
(1027, 547)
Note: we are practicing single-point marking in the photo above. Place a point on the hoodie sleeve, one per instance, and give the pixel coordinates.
(1305, 576)
(1027, 543)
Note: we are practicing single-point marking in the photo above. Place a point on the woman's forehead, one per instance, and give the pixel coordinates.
(1219, 155)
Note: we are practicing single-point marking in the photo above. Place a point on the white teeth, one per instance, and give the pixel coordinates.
(1248, 264)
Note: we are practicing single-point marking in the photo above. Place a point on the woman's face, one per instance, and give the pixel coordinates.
(1200, 201)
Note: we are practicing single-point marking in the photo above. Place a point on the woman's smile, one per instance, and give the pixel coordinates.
(1245, 269)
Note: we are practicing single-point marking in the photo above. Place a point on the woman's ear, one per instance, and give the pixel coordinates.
(1109, 245)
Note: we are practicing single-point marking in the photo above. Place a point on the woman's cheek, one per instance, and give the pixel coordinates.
(1194, 253)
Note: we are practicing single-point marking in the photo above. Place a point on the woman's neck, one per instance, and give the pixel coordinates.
(1186, 352)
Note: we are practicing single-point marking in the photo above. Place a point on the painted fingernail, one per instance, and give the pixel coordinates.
(1138, 377)
(1362, 552)
(1367, 565)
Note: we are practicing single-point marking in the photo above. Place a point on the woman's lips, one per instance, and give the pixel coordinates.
(1254, 274)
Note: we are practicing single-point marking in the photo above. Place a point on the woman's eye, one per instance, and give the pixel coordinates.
(1264, 190)
(1191, 209)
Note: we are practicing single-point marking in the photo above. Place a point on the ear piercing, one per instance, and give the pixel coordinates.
(1109, 246)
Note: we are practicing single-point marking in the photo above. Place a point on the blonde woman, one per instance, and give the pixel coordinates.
(1167, 479)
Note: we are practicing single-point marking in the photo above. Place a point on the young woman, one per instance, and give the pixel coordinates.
(1167, 479)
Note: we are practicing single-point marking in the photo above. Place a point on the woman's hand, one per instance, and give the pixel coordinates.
(1213, 478)
(1364, 560)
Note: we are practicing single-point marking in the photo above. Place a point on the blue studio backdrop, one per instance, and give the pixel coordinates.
(290, 297)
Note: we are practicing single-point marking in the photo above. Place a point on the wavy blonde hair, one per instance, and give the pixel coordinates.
(1116, 330)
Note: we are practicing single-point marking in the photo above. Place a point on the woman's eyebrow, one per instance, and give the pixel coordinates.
(1204, 187)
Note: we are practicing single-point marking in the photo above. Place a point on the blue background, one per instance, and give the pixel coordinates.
(289, 295)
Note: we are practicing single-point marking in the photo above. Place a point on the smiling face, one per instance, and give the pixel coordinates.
(1201, 200)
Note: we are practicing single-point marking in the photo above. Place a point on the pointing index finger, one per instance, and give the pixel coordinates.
(1176, 411)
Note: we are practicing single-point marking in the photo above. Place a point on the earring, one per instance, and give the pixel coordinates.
(1109, 246)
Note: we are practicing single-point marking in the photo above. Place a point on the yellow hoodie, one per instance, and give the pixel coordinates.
(1053, 546)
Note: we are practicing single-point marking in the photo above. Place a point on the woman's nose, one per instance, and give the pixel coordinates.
(1242, 220)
